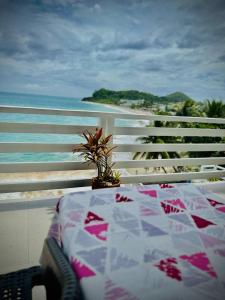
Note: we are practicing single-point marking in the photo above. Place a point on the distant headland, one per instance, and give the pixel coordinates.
(134, 97)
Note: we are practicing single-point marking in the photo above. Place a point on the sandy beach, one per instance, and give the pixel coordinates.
(124, 109)
(127, 110)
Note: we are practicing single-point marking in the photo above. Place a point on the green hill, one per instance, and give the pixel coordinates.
(178, 97)
(117, 97)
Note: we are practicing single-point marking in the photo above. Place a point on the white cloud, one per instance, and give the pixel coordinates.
(63, 44)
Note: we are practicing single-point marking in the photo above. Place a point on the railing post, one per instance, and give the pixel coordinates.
(107, 123)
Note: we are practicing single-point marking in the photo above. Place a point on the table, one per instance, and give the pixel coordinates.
(145, 242)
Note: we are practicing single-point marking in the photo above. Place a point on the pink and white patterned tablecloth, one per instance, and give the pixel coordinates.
(146, 242)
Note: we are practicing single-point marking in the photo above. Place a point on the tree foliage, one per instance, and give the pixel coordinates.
(116, 97)
(190, 108)
(215, 109)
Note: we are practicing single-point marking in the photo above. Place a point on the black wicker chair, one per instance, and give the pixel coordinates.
(54, 273)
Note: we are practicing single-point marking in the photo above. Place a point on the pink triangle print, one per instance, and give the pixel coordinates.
(91, 217)
(176, 202)
(151, 193)
(81, 269)
(98, 230)
(169, 267)
(166, 186)
(214, 202)
(210, 241)
(200, 222)
(170, 209)
(121, 198)
(222, 209)
(200, 261)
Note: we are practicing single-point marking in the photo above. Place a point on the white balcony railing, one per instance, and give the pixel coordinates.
(107, 121)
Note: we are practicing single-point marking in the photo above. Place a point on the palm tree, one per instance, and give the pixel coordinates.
(158, 140)
(190, 108)
(215, 109)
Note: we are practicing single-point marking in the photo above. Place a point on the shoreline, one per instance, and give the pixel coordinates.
(123, 109)
(128, 110)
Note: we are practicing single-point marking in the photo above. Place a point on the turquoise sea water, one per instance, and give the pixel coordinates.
(25, 100)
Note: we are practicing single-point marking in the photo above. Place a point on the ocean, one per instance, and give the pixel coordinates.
(29, 100)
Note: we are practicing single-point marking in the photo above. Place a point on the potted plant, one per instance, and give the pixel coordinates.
(97, 151)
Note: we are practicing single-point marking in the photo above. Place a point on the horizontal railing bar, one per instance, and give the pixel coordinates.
(53, 111)
(17, 127)
(171, 177)
(43, 166)
(43, 128)
(47, 185)
(166, 131)
(169, 147)
(150, 178)
(71, 165)
(116, 115)
(10, 147)
(174, 162)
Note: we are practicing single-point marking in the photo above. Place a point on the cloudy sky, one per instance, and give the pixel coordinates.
(73, 47)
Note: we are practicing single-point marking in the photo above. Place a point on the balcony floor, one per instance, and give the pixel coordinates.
(24, 222)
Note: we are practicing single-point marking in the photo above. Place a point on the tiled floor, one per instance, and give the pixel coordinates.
(24, 222)
(23, 228)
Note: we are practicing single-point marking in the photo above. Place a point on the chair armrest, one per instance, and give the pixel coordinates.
(57, 269)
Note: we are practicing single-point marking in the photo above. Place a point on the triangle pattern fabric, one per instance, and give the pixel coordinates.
(210, 241)
(122, 215)
(151, 193)
(222, 209)
(215, 231)
(75, 215)
(130, 226)
(81, 269)
(169, 267)
(100, 200)
(122, 198)
(214, 202)
(95, 258)
(166, 186)
(200, 261)
(85, 240)
(152, 230)
(113, 291)
(98, 230)
(220, 252)
(92, 217)
(176, 202)
(152, 254)
(200, 222)
(185, 189)
(168, 209)
(182, 218)
(192, 276)
(119, 260)
(146, 211)
(189, 237)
